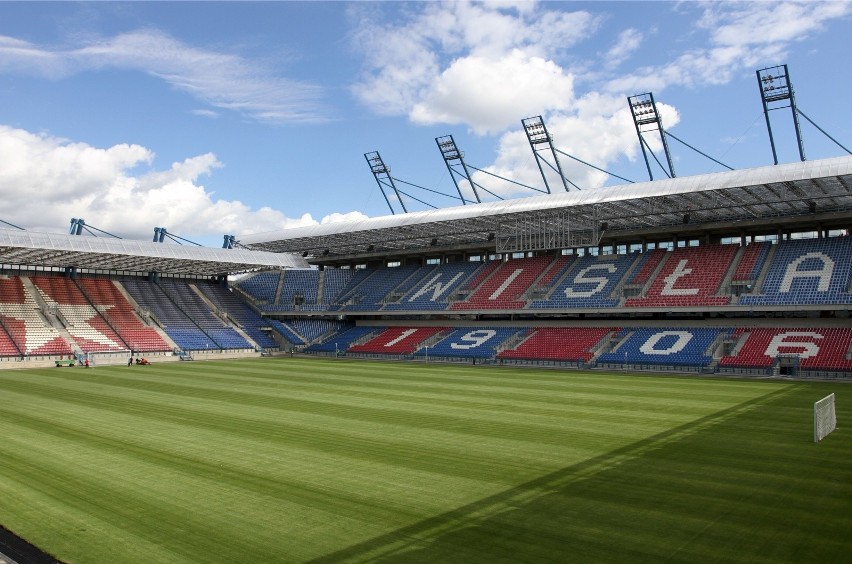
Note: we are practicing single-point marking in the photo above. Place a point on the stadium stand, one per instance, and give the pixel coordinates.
(342, 340)
(262, 286)
(431, 288)
(505, 286)
(470, 342)
(589, 283)
(737, 272)
(752, 262)
(559, 344)
(369, 294)
(676, 346)
(817, 349)
(245, 317)
(689, 277)
(396, 340)
(25, 324)
(83, 320)
(120, 315)
(299, 290)
(334, 280)
(287, 332)
(807, 271)
(184, 316)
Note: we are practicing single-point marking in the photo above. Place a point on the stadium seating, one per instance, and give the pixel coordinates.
(559, 344)
(690, 276)
(664, 346)
(370, 294)
(185, 317)
(648, 263)
(343, 339)
(504, 288)
(31, 334)
(808, 271)
(249, 320)
(84, 320)
(816, 349)
(334, 281)
(314, 329)
(471, 342)
(396, 340)
(261, 286)
(119, 312)
(432, 287)
(287, 332)
(299, 290)
(751, 263)
(589, 283)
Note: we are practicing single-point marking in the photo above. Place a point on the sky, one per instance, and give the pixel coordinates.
(215, 118)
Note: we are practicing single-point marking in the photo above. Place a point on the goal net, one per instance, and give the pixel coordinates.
(825, 418)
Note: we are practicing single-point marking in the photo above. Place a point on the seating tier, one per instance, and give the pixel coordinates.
(397, 340)
(816, 349)
(505, 288)
(560, 344)
(666, 346)
(809, 271)
(691, 276)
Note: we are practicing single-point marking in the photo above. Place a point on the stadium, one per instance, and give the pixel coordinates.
(622, 374)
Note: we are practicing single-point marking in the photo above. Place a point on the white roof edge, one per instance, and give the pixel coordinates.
(668, 186)
(136, 248)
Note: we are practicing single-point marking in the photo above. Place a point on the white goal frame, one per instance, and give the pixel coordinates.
(825, 417)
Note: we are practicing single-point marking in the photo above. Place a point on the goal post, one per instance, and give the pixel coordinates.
(825, 417)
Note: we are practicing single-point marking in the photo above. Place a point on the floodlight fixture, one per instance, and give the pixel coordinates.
(381, 172)
(451, 154)
(776, 92)
(540, 139)
(647, 119)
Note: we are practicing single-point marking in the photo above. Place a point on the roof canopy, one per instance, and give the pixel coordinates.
(99, 253)
(767, 193)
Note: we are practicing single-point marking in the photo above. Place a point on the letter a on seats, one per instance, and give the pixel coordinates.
(823, 274)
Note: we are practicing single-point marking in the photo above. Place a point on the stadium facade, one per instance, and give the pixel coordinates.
(745, 272)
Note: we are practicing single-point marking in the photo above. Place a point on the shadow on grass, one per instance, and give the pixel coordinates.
(746, 484)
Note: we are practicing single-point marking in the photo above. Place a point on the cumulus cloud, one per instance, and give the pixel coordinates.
(484, 65)
(45, 181)
(224, 81)
(490, 94)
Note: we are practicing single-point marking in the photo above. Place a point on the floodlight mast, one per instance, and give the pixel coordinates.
(450, 152)
(775, 89)
(537, 135)
(643, 108)
(383, 178)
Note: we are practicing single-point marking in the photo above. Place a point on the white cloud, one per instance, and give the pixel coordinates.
(224, 81)
(742, 35)
(491, 94)
(45, 181)
(485, 65)
(628, 41)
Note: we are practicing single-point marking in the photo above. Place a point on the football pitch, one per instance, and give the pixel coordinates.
(295, 460)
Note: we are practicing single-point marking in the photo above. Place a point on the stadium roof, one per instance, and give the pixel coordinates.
(767, 193)
(99, 253)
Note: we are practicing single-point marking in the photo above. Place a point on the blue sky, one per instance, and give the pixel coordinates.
(218, 117)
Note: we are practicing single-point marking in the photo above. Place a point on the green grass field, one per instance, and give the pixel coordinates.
(342, 461)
